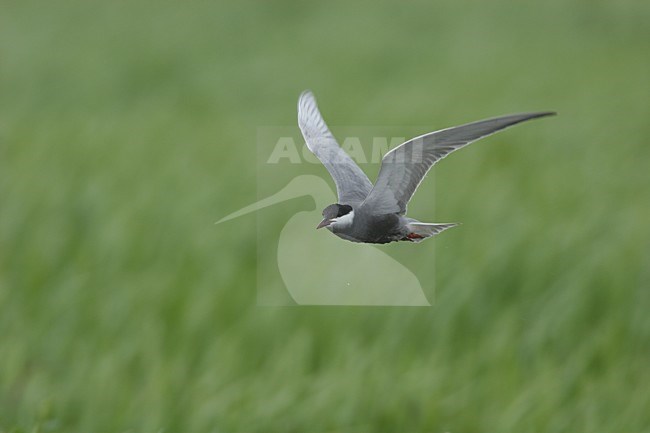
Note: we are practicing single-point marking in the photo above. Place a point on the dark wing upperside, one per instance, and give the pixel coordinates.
(352, 184)
(404, 167)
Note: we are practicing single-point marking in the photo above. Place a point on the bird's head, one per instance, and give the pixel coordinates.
(336, 214)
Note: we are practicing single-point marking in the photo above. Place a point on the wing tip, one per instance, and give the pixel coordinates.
(306, 92)
(513, 119)
(306, 103)
(544, 114)
(305, 96)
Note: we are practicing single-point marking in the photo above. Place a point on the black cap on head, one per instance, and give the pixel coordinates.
(336, 210)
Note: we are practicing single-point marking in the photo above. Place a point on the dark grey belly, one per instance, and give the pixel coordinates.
(380, 229)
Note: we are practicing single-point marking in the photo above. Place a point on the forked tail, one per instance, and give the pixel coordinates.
(419, 231)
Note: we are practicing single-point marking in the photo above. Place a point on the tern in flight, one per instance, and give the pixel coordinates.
(376, 213)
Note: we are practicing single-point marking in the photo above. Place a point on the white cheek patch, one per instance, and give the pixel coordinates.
(344, 221)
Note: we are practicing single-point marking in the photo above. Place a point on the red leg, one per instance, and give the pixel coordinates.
(412, 236)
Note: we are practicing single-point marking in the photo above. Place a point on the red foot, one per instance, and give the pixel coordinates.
(414, 236)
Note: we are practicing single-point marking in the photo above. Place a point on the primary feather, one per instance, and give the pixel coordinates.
(404, 167)
(352, 184)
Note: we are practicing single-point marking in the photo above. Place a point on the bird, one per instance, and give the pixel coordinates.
(376, 214)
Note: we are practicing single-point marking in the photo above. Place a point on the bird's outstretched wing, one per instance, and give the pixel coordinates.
(352, 184)
(404, 167)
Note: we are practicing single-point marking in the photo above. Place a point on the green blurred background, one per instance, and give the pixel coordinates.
(128, 128)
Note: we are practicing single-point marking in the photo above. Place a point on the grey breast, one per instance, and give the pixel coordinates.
(369, 227)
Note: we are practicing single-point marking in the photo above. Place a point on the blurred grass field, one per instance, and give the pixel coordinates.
(128, 128)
